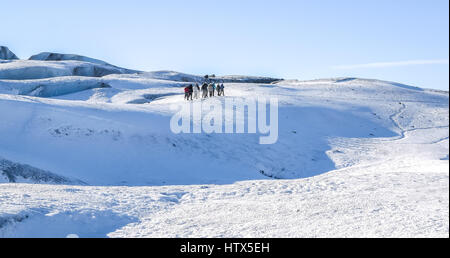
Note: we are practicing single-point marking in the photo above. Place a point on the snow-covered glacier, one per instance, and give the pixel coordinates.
(354, 157)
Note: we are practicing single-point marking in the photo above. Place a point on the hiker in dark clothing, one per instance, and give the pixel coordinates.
(204, 90)
(218, 89)
(191, 90)
(222, 90)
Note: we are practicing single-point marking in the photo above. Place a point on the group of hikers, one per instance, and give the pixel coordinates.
(192, 91)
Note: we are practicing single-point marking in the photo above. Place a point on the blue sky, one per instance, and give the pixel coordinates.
(405, 41)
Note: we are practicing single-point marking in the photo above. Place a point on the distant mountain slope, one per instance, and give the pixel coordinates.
(183, 77)
(246, 79)
(350, 81)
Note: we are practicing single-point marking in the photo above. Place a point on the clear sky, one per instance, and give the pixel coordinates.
(405, 41)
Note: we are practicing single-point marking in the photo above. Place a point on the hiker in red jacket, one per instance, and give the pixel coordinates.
(186, 93)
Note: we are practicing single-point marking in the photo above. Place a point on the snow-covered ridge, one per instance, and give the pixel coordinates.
(31, 69)
(37, 69)
(49, 56)
(350, 81)
(49, 65)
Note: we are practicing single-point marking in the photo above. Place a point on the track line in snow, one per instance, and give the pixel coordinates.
(394, 119)
(404, 132)
(439, 140)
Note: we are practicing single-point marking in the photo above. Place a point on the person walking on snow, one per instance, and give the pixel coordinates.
(222, 92)
(204, 90)
(186, 93)
(210, 90)
(218, 89)
(191, 90)
(196, 90)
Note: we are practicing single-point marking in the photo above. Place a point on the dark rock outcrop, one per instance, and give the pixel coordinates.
(6, 54)
(14, 172)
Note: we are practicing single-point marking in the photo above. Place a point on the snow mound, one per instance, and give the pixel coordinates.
(67, 224)
(6, 54)
(11, 172)
(51, 87)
